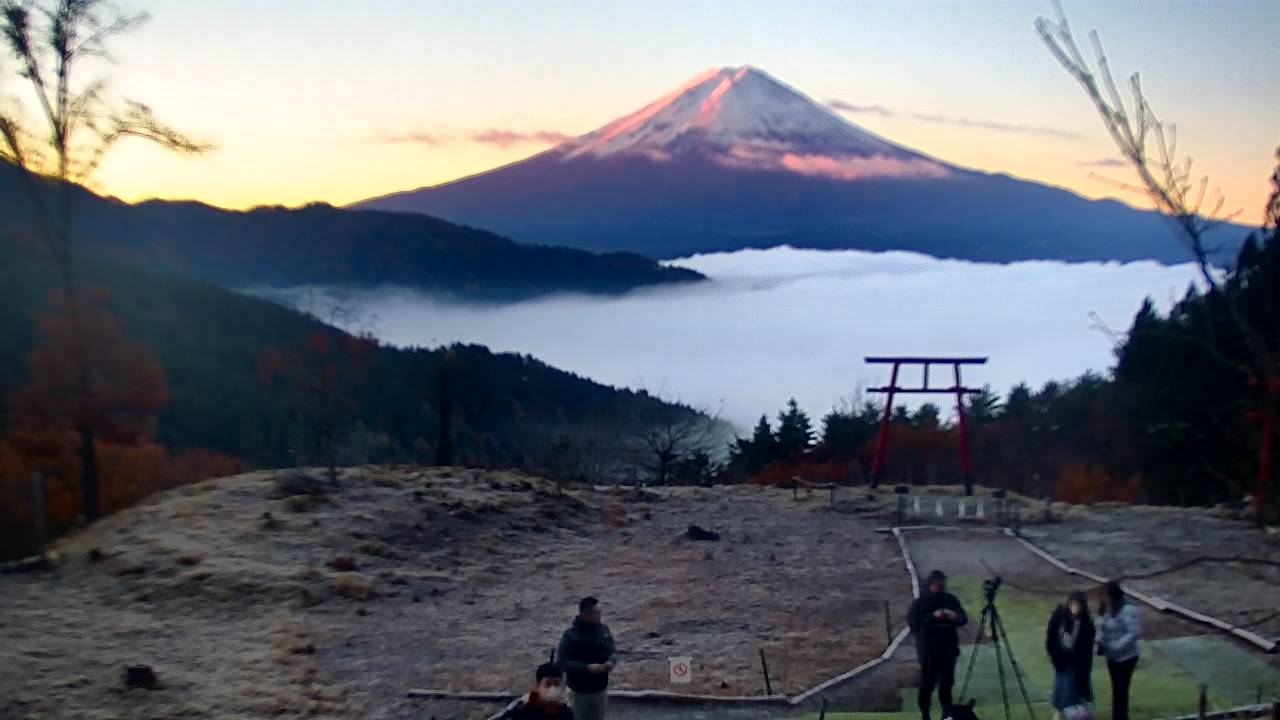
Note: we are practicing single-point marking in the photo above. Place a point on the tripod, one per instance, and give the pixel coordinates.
(990, 622)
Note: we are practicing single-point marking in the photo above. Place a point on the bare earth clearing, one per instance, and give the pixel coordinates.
(275, 595)
(338, 602)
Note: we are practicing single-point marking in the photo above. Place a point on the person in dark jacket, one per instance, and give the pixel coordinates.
(546, 701)
(1069, 641)
(587, 655)
(934, 618)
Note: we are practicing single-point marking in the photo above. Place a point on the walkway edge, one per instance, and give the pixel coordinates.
(1160, 604)
(613, 694)
(888, 651)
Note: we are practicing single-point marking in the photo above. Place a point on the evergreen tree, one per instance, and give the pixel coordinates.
(845, 432)
(982, 407)
(1019, 406)
(795, 431)
(755, 454)
(926, 417)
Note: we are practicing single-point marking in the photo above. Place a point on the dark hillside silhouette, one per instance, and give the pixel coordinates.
(323, 245)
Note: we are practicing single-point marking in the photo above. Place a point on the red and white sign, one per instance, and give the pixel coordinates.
(681, 670)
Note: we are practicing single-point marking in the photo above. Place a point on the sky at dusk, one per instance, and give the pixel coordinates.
(338, 101)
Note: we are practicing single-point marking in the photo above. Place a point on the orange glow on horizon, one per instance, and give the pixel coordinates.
(224, 178)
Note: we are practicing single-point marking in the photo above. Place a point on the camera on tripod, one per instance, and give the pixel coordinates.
(990, 586)
(990, 625)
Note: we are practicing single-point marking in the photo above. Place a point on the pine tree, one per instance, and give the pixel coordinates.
(925, 417)
(795, 431)
(756, 453)
(983, 406)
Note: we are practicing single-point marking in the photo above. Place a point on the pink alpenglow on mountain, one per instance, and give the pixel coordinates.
(735, 159)
(743, 118)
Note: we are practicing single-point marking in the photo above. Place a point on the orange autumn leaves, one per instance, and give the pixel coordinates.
(86, 374)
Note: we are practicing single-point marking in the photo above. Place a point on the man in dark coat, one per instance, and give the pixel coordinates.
(587, 654)
(546, 701)
(934, 618)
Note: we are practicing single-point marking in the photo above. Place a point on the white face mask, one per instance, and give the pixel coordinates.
(553, 695)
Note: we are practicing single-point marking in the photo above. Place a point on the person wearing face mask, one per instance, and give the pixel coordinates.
(546, 700)
(1069, 641)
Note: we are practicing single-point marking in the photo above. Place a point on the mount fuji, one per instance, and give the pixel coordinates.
(735, 159)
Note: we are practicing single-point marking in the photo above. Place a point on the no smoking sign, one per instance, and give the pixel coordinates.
(681, 670)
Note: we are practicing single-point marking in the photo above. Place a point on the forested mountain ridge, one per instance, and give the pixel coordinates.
(322, 245)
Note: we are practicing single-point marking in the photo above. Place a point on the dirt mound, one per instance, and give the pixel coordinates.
(215, 584)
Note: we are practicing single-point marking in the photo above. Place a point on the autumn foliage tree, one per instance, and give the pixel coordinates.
(89, 386)
(62, 140)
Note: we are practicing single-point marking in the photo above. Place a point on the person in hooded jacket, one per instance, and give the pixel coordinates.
(1069, 641)
(547, 699)
(588, 655)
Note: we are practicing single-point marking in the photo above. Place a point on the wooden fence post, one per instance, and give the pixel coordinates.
(764, 665)
(38, 511)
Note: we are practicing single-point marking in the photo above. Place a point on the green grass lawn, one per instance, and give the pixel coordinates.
(1167, 681)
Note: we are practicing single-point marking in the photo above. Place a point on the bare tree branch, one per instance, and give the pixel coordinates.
(1164, 179)
(1167, 181)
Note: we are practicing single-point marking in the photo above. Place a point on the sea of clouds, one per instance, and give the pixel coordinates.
(780, 323)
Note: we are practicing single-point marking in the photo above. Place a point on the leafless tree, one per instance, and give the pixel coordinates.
(1151, 147)
(1166, 178)
(75, 123)
(670, 440)
(64, 138)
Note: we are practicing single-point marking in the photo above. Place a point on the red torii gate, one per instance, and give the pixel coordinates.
(958, 389)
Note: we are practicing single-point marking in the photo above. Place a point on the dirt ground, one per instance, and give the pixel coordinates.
(1118, 541)
(251, 600)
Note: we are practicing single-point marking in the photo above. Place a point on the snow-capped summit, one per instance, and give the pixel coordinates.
(742, 117)
(735, 159)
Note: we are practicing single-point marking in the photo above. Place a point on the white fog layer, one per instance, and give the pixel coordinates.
(773, 324)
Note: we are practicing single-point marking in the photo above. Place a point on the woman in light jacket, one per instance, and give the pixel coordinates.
(1120, 628)
(1069, 641)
